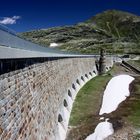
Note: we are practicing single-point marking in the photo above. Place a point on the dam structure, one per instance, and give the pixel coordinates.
(38, 86)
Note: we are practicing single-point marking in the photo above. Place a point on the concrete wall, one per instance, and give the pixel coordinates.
(36, 101)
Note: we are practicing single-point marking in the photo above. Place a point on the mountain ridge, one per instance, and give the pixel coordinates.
(117, 31)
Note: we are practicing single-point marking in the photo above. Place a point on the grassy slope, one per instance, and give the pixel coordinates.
(84, 117)
(88, 100)
(134, 116)
(87, 104)
(89, 97)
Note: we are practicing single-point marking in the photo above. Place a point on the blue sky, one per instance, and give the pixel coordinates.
(25, 15)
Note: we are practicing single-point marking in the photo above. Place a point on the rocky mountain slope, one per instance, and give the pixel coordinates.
(117, 31)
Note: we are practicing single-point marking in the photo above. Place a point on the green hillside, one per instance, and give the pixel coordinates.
(117, 31)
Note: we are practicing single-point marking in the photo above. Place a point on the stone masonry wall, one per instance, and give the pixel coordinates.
(31, 98)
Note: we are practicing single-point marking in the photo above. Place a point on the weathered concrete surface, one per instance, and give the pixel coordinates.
(31, 99)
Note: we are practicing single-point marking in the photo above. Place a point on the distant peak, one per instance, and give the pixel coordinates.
(109, 15)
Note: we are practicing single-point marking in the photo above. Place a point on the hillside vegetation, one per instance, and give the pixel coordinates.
(117, 31)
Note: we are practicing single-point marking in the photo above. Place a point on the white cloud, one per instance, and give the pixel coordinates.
(9, 20)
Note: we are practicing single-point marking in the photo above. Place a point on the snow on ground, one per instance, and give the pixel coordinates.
(102, 131)
(62, 131)
(116, 91)
(53, 44)
(102, 118)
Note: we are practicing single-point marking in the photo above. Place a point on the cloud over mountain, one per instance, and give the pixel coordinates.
(9, 20)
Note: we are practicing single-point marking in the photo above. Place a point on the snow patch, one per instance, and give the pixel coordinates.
(53, 45)
(102, 131)
(102, 118)
(116, 91)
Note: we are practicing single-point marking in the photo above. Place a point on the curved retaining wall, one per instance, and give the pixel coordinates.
(36, 101)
